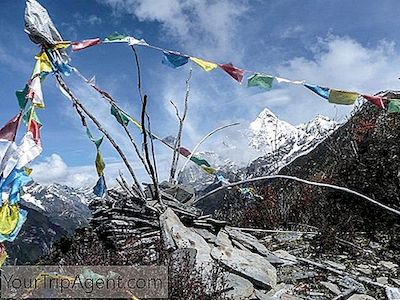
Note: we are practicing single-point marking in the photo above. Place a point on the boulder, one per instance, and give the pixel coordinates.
(252, 243)
(251, 266)
(242, 288)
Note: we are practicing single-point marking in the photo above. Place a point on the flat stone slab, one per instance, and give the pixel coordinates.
(242, 288)
(252, 243)
(251, 266)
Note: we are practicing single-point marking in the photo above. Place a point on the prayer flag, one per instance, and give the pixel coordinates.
(234, 72)
(120, 116)
(9, 131)
(322, 91)
(342, 97)
(205, 65)
(34, 127)
(100, 188)
(35, 92)
(21, 220)
(200, 161)
(44, 63)
(174, 59)
(76, 46)
(185, 152)
(376, 100)
(260, 80)
(21, 97)
(8, 218)
(30, 114)
(394, 106)
(116, 38)
(100, 165)
(133, 41)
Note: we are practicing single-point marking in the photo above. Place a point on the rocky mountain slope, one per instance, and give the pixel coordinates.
(54, 211)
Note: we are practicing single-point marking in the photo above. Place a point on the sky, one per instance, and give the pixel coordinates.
(344, 44)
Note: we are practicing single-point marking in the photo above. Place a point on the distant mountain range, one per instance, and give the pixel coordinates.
(276, 141)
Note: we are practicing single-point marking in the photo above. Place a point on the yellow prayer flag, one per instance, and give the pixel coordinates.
(209, 170)
(342, 97)
(9, 215)
(44, 64)
(61, 45)
(205, 65)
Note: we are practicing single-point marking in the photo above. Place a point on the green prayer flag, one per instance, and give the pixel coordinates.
(394, 106)
(96, 142)
(31, 114)
(260, 80)
(100, 165)
(200, 161)
(121, 117)
(116, 38)
(21, 97)
(342, 97)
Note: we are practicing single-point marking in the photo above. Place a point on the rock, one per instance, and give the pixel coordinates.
(186, 238)
(388, 264)
(250, 265)
(396, 281)
(288, 237)
(335, 265)
(332, 287)
(350, 283)
(364, 269)
(361, 297)
(252, 243)
(288, 259)
(392, 293)
(382, 280)
(208, 236)
(242, 288)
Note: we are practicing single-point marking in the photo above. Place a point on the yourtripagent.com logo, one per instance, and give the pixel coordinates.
(84, 282)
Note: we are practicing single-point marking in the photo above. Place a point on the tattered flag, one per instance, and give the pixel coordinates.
(233, 71)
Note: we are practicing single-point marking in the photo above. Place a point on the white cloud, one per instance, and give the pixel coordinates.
(201, 25)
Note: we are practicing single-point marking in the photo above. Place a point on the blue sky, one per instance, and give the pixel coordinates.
(341, 44)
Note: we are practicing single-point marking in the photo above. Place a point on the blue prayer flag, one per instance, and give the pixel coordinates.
(174, 59)
(322, 91)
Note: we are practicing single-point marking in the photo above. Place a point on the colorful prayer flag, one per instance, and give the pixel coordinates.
(8, 218)
(9, 131)
(200, 161)
(174, 59)
(30, 114)
(376, 100)
(100, 188)
(260, 80)
(21, 220)
(34, 127)
(205, 65)
(35, 92)
(21, 97)
(133, 42)
(209, 170)
(76, 46)
(342, 97)
(394, 106)
(116, 38)
(185, 152)
(27, 151)
(120, 116)
(44, 63)
(322, 91)
(100, 165)
(233, 71)
(62, 45)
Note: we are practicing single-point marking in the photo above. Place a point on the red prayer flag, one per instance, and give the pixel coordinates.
(76, 46)
(185, 152)
(9, 131)
(377, 100)
(34, 127)
(236, 73)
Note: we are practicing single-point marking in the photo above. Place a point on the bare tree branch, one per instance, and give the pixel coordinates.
(181, 119)
(335, 187)
(202, 141)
